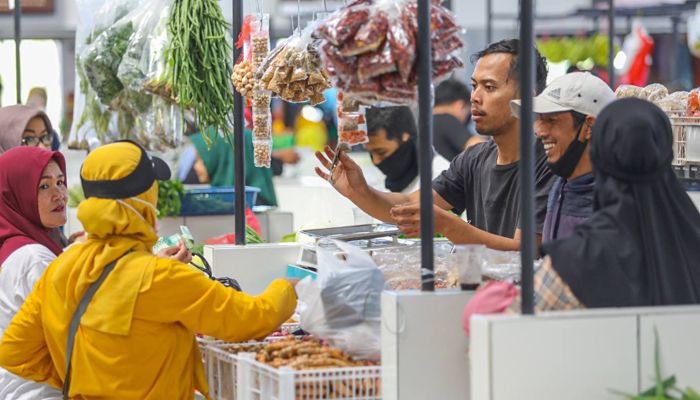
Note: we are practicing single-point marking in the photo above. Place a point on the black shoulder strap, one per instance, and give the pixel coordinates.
(77, 315)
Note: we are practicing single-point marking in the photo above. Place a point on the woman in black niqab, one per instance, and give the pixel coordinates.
(641, 246)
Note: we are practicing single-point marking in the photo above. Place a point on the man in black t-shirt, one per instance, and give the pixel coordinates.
(484, 180)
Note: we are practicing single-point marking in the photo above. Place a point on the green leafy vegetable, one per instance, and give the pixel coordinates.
(202, 63)
(664, 389)
(103, 58)
(169, 200)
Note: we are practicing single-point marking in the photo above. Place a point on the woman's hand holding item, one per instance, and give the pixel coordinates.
(179, 253)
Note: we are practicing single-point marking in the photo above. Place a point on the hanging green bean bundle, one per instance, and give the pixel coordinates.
(202, 63)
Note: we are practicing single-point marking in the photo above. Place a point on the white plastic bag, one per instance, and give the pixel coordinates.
(344, 305)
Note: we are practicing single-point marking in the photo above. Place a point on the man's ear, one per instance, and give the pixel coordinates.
(587, 129)
(405, 137)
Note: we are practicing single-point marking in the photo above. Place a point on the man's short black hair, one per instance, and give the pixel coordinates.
(450, 91)
(394, 120)
(579, 118)
(512, 47)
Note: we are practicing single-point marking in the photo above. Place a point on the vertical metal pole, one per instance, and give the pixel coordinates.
(18, 40)
(238, 135)
(425, 143)
(611, 43)
(527, 155)
(489, 21)
(675, 20)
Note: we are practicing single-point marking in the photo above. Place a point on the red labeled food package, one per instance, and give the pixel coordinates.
(369, 37)
(394, 83)
(446, 48)
(403, 44)
(352, 129)
(360, 89)
(341, 27)
(374, 64)
(442, 69)
(338, 65)
(442, 22)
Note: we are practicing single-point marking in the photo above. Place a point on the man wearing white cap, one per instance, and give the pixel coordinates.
(565, 113)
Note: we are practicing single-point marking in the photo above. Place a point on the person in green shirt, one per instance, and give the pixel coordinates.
(215, 166)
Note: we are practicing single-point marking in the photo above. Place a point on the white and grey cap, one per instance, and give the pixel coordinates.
(577, 91)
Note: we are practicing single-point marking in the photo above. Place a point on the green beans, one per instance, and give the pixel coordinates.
(202, 63)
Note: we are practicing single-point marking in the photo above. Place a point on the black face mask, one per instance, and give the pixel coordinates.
(567, 163)
(400, 168)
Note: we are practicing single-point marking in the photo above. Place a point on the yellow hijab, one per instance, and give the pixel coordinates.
(114, 227)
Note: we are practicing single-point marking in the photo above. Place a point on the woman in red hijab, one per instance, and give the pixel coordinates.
(33, 198)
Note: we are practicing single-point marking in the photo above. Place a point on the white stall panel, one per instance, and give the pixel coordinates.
(424, 349)
(679, 343)
(547, 357)
(253, 266)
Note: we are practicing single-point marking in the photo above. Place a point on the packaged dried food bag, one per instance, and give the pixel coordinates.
(293, 71)
(654, 92)
(343, 305)
(262, 123)
(262, 153)
(629, 91)
(375, 64)
(402, 39)
(343, 25)
(259, 38)
(352, 125)
(367, 45)
(674, 104)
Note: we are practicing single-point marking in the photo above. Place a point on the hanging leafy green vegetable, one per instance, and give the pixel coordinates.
(202, 63)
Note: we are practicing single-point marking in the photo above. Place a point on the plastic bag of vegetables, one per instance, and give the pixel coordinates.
(146, 19)
(91, 118)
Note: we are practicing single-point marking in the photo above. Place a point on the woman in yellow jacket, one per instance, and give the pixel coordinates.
(136, 339)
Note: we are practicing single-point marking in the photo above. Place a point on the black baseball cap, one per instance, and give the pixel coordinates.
(148, 170)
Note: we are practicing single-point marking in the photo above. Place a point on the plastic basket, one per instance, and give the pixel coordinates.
(214, 201)
(220, 368)
(257, 381)
(686, 140)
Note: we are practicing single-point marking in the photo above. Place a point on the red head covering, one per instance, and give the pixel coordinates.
(20, 174)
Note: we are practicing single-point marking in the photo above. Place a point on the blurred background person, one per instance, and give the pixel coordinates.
(393, 149)
(452, 127)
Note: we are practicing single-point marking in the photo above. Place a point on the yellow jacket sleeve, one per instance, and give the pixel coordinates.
(179, 293)
(23, 349)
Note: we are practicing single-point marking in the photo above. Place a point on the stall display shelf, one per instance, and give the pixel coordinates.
(258, 381)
